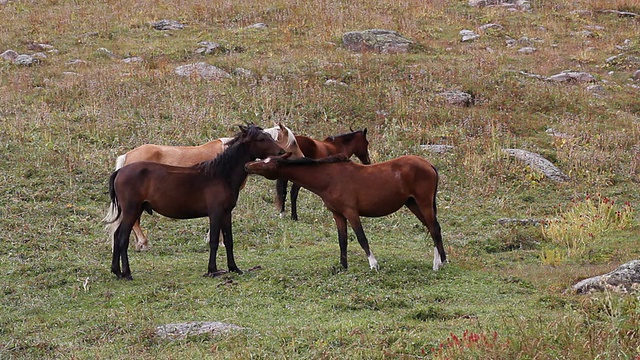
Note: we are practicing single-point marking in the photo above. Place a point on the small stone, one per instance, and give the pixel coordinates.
(468, 35)
(167, 25)
(636, 75)
(203, 70)
(527, 50)
(26, 60)
(9, 55)
(258, 26)
(437, 148)
(133, 59)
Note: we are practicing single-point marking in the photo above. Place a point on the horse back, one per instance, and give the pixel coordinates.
(313, 149)
(175, 155)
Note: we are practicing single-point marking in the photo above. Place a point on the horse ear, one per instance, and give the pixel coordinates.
(243, 128)
(364, 131)
(282, 127)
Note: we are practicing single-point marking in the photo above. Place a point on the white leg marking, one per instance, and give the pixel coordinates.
(373, 263)
(437, 263)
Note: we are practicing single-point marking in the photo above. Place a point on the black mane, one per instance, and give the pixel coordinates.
(308, 161)
(222, 164)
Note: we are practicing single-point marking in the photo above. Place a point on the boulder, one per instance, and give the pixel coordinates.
(203, 70)
(535, 161)
(383, 41)
(625, 278)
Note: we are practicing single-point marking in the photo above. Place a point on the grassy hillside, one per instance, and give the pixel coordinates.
(502, 296)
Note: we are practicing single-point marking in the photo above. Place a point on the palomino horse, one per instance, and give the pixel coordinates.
(350, 190)
(353, 143)
(191, 155)
(209, 189)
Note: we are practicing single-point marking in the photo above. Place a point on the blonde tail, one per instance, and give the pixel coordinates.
(120, 161)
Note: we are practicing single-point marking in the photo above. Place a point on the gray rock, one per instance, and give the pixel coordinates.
(490, 26)
(242, 72)
(76, 62)
(437, 148)
(9, 55)
(167, 25)
(509, 4)
(625, 278)
(457, 97)
(25, 60)
(258, 26)
(535, 161)
(636, 75)
(133, 59)
(383, 41)
(468, 35)
(203, 70)
(106, 52)
(183, 330)
(619, 13)
(39, 47)
(519, 222)
(335, 82)
(527, 50)
(210, 47)
(572, 76)
(596, 89)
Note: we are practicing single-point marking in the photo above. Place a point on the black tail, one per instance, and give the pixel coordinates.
(115, 209)
(435, 192)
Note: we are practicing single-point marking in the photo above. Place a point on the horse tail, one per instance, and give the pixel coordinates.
(435, 191)
(112, 218)
(120, 161)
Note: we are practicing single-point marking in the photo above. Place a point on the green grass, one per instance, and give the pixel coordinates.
(501, 297)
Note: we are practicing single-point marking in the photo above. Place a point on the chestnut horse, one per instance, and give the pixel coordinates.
(353, 143)
(191, 155)
(208, 189)
(350, 190)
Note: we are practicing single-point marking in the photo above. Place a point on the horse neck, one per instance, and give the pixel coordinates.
(339, 147)
(234, 173)
(295, 150)
(308, 176)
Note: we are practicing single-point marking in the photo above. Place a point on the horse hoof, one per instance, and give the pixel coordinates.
(141, 248)
(215, 273)
(237, 271)
(125, 277)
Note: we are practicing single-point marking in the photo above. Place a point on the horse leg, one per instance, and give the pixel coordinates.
(295, 189)
(120, 247)
(142, 243)
(214, 237)
(356, 225)
(228, 241)
(281, 195)
(427, 215)
(341, 224)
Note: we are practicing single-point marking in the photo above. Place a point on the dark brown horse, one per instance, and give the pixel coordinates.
(209, 189)
(353, 143)
(351, 190)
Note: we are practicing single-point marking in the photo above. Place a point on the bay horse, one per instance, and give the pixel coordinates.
(191, 155)
(350, 190)
(352, 143)
(210, 189)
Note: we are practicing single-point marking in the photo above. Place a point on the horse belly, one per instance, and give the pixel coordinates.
(382, 207)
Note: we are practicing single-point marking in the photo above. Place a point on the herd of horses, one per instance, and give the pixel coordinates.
(185, 182)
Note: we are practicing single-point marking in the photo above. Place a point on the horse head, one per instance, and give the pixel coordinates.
(267, 167)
